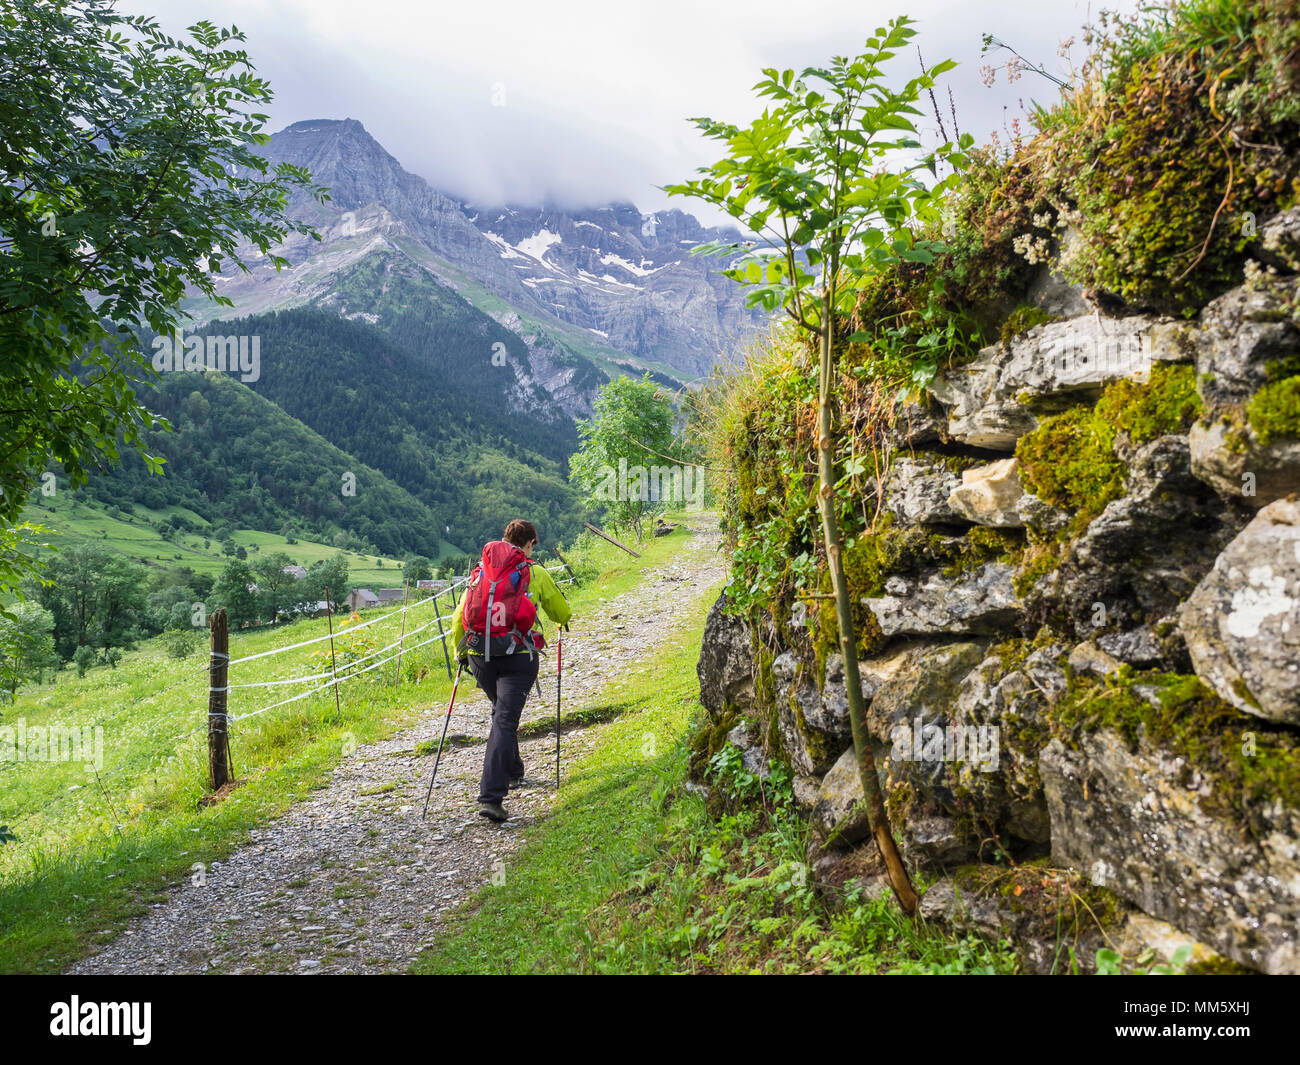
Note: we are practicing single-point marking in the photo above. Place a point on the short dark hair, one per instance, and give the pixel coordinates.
(520, 533)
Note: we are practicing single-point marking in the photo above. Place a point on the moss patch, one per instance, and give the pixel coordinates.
(1022, 320)
(1168, 403)
(1185, 716)
(1069, 462)
(1274, 411)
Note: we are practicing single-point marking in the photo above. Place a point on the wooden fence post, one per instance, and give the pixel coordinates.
(565, 564)
(606, 536)
(219, 771)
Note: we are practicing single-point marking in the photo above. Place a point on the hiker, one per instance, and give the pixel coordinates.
(504, 590)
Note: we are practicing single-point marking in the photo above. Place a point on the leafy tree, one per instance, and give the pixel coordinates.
(416, 568)
(629, 435)
(818, 177)
(96, 598)
(276, 591)
(26, 646)
(327, 575)
(131, 174)
(84, 659)
(231, 592)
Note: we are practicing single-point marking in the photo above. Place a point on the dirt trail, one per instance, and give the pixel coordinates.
(352, 880)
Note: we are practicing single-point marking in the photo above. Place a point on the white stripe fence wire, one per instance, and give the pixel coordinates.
(350, 671)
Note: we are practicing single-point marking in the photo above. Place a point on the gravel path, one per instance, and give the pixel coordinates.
(352, 880)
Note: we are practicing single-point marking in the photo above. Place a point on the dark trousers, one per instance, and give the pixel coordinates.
(506, 680)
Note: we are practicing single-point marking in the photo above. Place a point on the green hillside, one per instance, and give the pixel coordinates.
(422, 402)
(135, 532)
(236, 459)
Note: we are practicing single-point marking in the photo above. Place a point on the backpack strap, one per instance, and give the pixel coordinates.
(487, 622)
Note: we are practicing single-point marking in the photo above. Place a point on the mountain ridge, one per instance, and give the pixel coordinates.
(621, 292)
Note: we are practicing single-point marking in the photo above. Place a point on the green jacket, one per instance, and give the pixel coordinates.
(542, 591)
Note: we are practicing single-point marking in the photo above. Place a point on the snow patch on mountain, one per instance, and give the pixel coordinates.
(538, 244)
(639, 271)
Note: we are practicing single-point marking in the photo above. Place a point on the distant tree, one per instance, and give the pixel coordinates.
(26, 646)
(331, 574)
(131, 175)
(276, 593)
(629, 435)
(416, 568)
(96, 597)
(231, 592)
(84, 659)
(168, 605)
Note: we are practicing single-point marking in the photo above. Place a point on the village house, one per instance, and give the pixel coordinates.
(361, 598)
(364, 598)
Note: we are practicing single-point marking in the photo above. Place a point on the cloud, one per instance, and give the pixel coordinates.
(587, 102)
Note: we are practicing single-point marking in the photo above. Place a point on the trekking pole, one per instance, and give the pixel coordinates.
(445, 723)
(559, 671)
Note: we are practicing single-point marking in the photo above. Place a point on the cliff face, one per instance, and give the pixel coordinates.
(627, 277)
(1081, 604)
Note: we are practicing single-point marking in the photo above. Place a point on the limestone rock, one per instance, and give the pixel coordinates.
(1143, 934)
(1004, 793)
(920, 424)
(838, 812)
(726, 665)
(993, 495)
(1242, 623)
(919, 694)
(990, 399)
(1087, 659)
(1137, 823)
(1279, 240)
(1241, 333)
(1235, 464)
(1050, 292)
(1031, 922)
(1144, 553)
(806, 789)
(752, 755)
(832, 717)
(798, 704)
(982, 601)
(917, 491)
(978, 413)
(1137, 647)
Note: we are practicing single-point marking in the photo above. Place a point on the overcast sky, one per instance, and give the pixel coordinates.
(587, 101)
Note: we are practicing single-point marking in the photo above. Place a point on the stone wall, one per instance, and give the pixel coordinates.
(1117, 694)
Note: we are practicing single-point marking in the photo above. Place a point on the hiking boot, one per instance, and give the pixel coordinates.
(493, 811)
(518, 782)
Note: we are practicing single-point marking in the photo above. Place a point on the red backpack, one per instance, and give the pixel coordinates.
(498, 615)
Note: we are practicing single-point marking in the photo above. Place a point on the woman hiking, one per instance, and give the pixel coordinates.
(497, 633)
